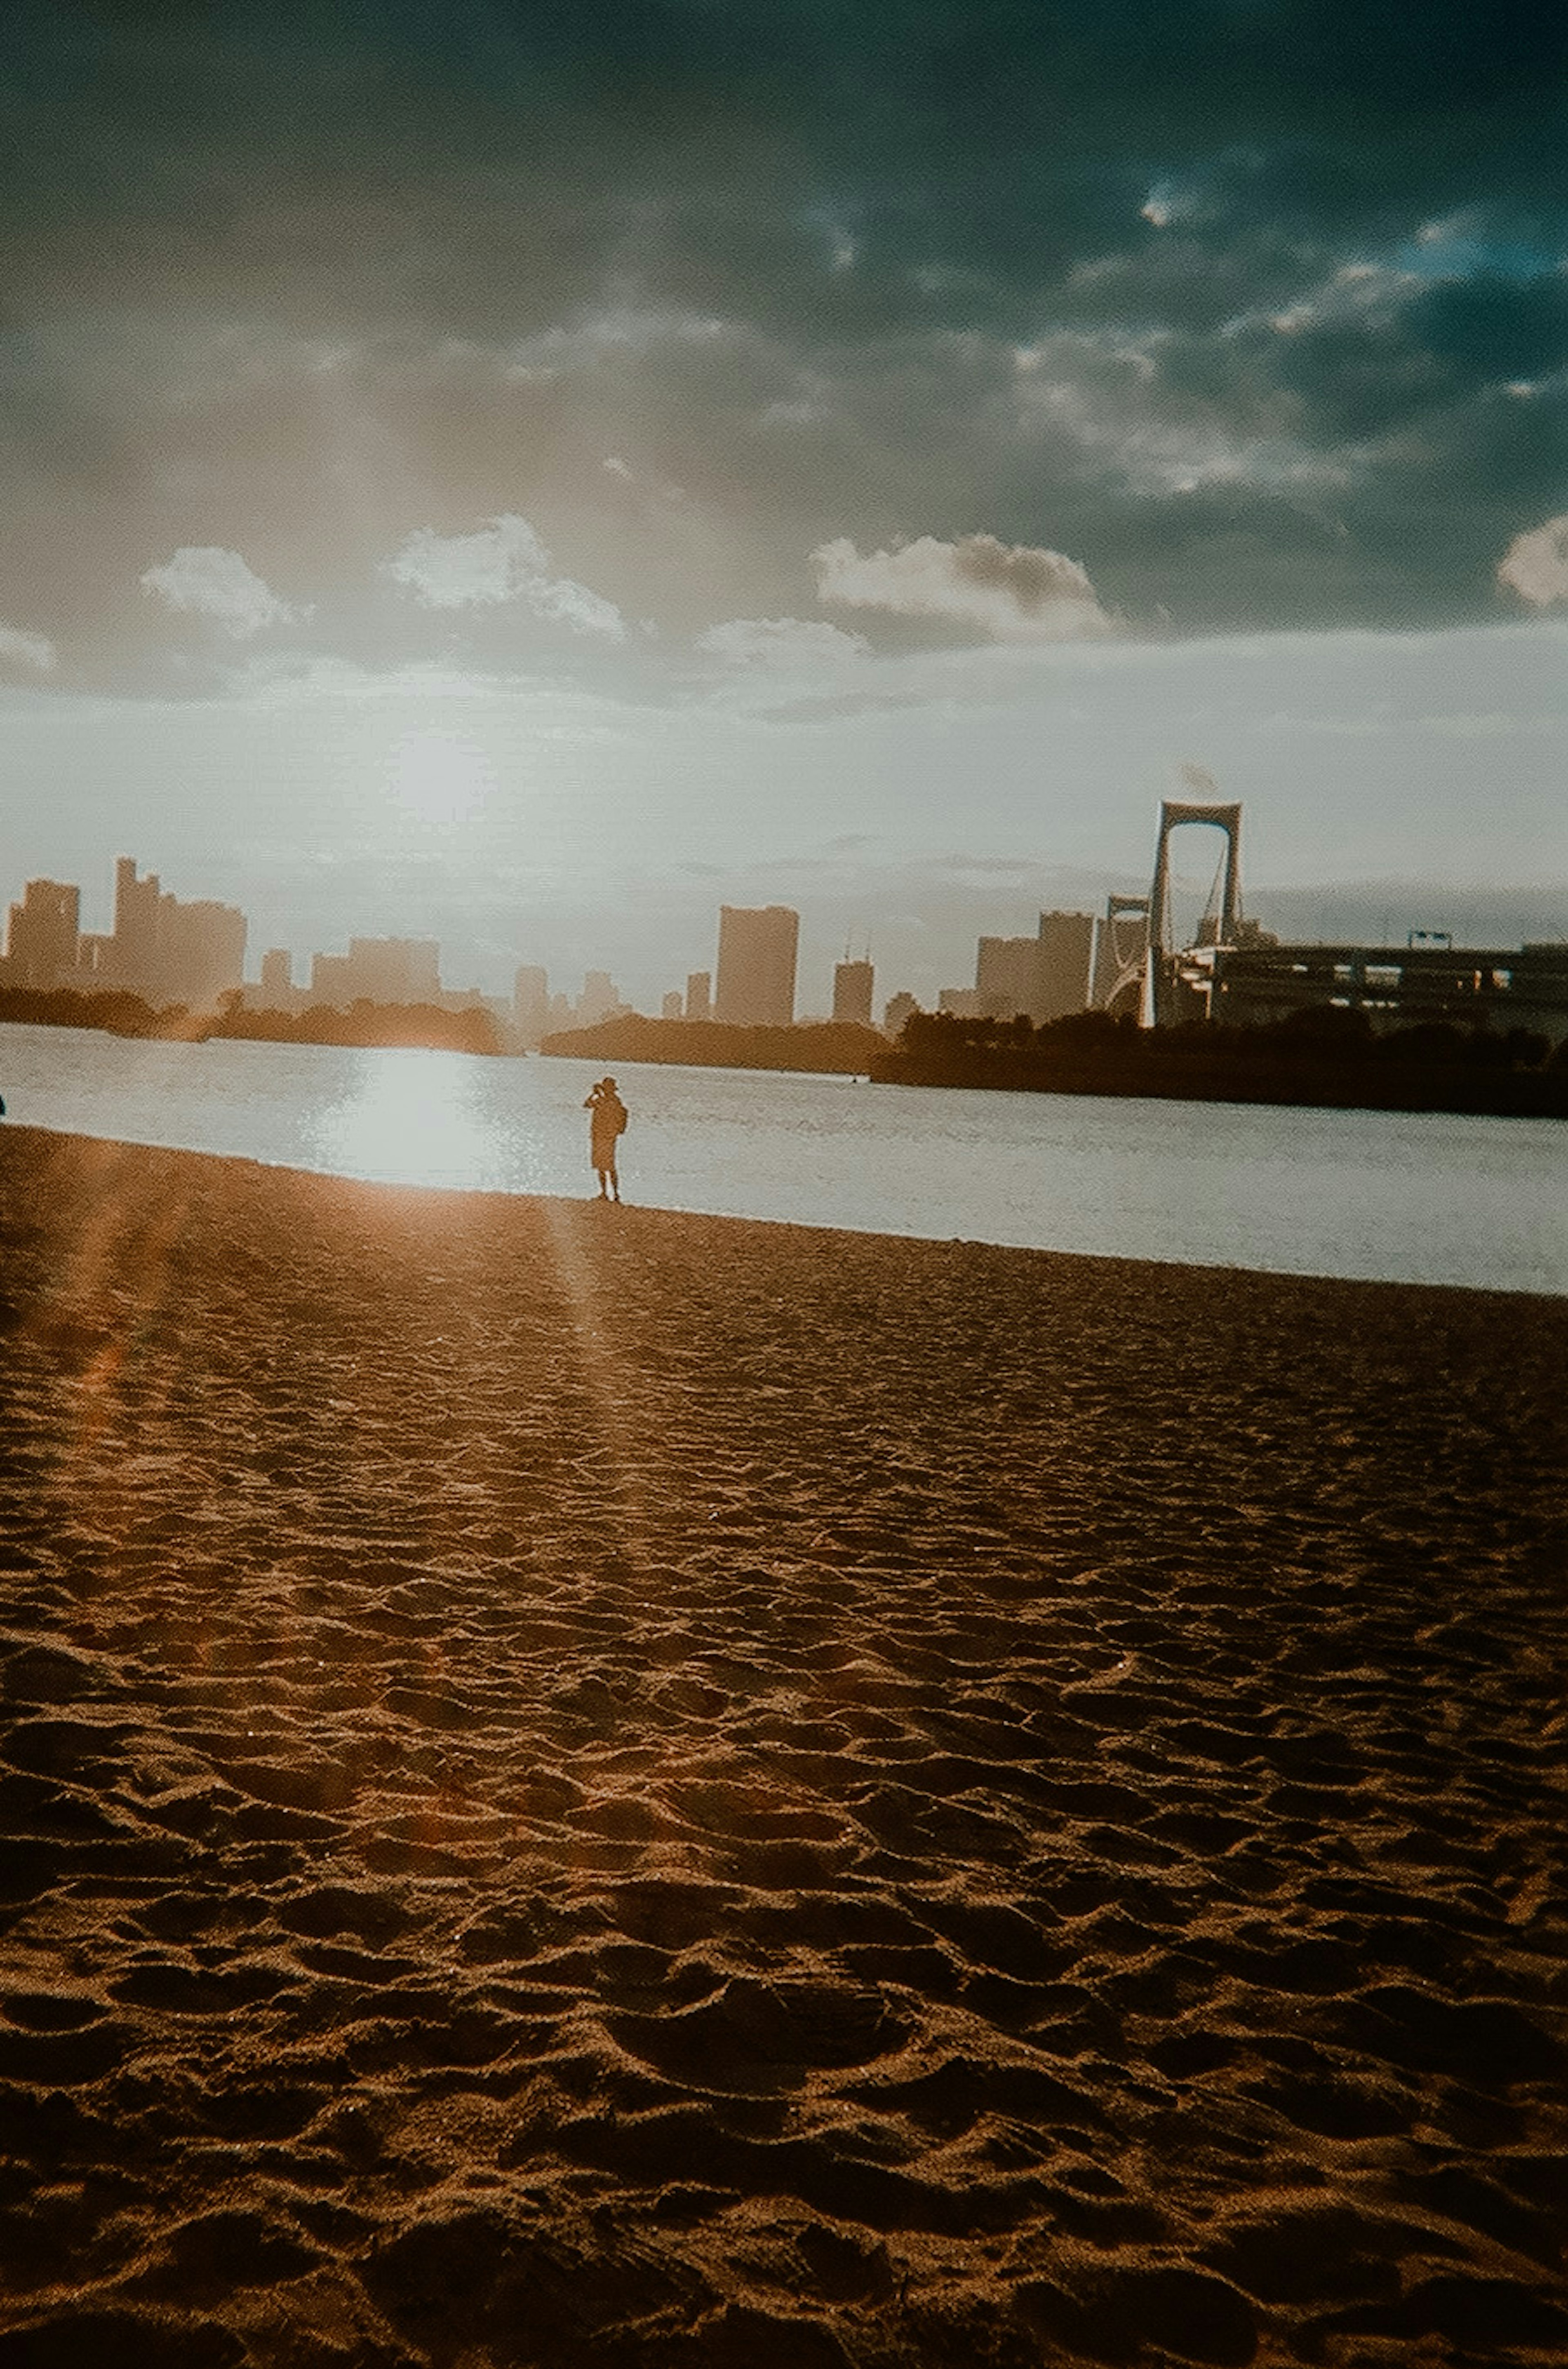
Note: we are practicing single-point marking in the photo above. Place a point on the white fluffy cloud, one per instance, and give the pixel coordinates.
(212, 582)
(18, 647)
(503, 561)
(1536, 565)
(1012, 592)
(785, 645)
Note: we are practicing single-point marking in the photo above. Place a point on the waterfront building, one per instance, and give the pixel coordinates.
(699, 995)
(378, 970)
(43, 934)
(531, 1003)
(134, 960)
(171, 950)
(599, 1000)
(757, 948)
(276, 980)
(674, 1005)
(1043, 978)
(852, 984)
(899, 1008)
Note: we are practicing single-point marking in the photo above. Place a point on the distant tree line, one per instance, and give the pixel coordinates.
(841, 1046)
(1330, 1058)
(472, 1030)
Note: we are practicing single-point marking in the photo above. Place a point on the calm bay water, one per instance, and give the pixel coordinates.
(1403, 1197)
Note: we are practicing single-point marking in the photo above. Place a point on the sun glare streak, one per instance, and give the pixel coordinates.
(440, 776)
(606, 1379)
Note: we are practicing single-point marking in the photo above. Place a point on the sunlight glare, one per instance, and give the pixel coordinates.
(412, 1118)
(440, 776)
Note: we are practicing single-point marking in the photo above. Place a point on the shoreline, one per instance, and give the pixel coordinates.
(17, 1129)
(632, 1788)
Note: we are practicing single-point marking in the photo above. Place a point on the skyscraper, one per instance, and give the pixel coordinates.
(40, 944)
(136, 958)
(172, 951)
(378, 970)
(699, 995)
(852, 983)
(1067, 951)
(1043, 976)
(599, 1000)
(277, 978)
(531, 1002)
(756, 965)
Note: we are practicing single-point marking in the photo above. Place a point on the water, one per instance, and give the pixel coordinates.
(1406, 1198)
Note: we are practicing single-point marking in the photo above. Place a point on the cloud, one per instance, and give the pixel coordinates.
(1536, 565)
(785, 645)
(503, 561)
(1013, 591)
(209, 581)
(18, 647)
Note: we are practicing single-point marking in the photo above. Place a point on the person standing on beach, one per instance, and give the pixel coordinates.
(606, 1125)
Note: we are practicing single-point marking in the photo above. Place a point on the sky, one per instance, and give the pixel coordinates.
(527, 475)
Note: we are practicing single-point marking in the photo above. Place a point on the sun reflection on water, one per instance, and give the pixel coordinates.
(410, 1117)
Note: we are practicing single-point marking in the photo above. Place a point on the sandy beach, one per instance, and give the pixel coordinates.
(590, 1786)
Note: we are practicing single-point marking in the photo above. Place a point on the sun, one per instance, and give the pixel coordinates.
(439, 776)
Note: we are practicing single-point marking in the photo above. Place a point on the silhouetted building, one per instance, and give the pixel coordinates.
(757, 950)
(170, 950)
(531, 1002)
(200, 951)
(599, 1000)
(378, 970)
(674, 1005)
(1005, 976)
(852, 983)
(135, 956)
(1043, 976)
(42, 938)
(277, 978)
(899, 1008)
(1066, 957)
(699, 995)
(960, 1002)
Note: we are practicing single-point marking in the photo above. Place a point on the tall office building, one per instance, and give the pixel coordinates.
(41, 940)
(378, 970)
(135, 956)
(852, 983)
(170, 950)
(699, 995)
(277, 978)
(756, 965)
(1006, 973)
(1067, 957)
(531, 1002)
(1044, 977)
(200, 953)
(599, 998)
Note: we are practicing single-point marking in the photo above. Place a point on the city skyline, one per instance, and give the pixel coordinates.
(202, 951)
(526, 490)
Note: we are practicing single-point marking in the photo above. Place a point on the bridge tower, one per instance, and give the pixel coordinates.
(1121, 955)
(1161, 993)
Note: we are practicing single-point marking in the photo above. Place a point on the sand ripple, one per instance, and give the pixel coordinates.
(592, 1786)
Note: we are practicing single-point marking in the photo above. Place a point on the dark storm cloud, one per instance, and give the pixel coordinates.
(1255, 311)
